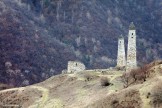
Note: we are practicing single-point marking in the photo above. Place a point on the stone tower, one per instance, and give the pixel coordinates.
(121, 60)
(131, 51)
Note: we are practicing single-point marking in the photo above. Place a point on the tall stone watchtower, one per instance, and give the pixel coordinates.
(131, 51)
(121, 60)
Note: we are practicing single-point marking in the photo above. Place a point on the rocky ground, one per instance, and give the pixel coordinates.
(85, 90)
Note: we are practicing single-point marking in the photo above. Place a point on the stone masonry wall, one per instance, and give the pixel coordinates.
(75, 66)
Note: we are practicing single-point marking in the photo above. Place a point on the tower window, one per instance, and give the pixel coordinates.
(132, 33)
(132, 37)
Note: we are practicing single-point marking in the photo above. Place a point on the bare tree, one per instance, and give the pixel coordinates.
(125, 79)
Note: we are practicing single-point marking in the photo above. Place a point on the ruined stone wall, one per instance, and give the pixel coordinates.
(75, 66)
(121, 60)
(131, 51)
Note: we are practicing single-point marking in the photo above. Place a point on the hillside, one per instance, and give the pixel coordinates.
(77, 91)
(28, 49)
(39, 37)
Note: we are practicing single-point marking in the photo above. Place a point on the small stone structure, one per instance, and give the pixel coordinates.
(121, 59)
(75, 66)
(131, 50)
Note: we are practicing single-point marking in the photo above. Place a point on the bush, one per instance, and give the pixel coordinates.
(138, 75)
(125, 79)
(88, 76)
(105, 81)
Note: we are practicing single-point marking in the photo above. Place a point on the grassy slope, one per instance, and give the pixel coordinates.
(72, 91)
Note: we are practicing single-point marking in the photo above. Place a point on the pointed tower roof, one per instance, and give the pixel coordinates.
(121, 36)
(132, 26)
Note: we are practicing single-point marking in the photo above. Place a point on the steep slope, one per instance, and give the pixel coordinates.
(28, 53)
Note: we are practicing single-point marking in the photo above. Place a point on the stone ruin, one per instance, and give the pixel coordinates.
(75, 66)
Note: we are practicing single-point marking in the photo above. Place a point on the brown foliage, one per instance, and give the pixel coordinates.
(138, 75)
(125, 79)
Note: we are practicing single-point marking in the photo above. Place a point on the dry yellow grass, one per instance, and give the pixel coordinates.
(73, 91)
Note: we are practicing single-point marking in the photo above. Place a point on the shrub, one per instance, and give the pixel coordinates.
(135, 76)
(105, 81)
(125, 79)
(88, 76)
(139, 74)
